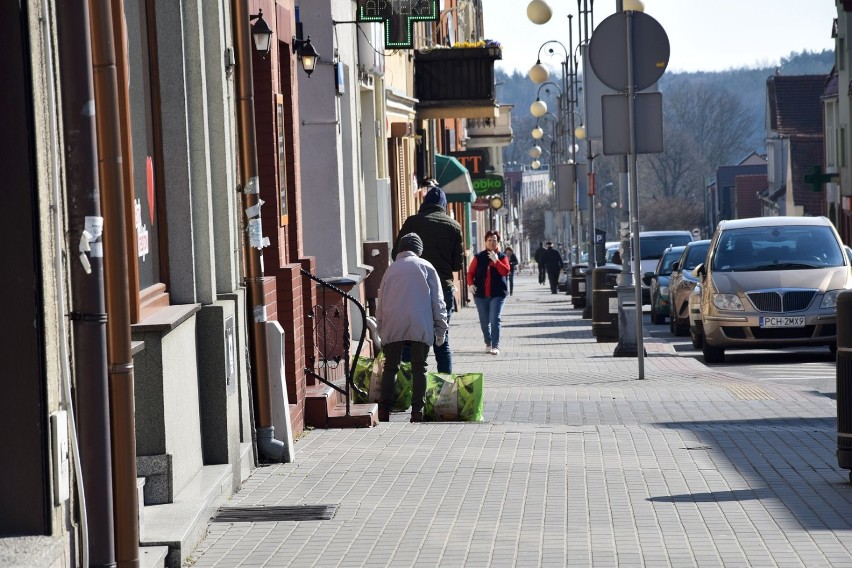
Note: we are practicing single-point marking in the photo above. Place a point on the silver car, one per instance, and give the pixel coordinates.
(771, 282)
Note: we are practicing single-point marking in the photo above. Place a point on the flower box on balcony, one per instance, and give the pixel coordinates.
(455, 76)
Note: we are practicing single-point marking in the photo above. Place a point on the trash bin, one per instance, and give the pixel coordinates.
(605, 303)
(578, 285)
(844, 381)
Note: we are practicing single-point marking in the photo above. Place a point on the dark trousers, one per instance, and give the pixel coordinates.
(511, 282)
(393, 355)
(553, 278)
(541, 274)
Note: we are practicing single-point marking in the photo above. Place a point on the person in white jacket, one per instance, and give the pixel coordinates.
(411, 312)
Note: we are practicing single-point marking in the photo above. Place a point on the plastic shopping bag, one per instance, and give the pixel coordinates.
(368, 377)
(453, 397)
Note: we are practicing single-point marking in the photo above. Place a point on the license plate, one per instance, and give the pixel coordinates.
(782, 321)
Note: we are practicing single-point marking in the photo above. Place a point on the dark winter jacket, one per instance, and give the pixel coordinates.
(552, 260)
(442, 241)
(489, 278)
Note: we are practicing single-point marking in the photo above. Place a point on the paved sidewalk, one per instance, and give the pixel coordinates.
(577, 463)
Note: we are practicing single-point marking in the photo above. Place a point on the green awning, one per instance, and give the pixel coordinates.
(454, 179)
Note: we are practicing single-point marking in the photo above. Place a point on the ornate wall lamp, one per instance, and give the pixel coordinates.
(261, 33)
(307, 54)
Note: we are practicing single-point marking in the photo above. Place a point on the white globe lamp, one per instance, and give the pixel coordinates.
(535, 164)
(538, 74)
(580, 132)
(538, 108)
(535, 151)
(538, 133)
(539, 12)
(634, 5)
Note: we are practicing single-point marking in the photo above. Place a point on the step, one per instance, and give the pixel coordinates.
(181, 525)
(320, 401)
(153, 556)
(360, 416)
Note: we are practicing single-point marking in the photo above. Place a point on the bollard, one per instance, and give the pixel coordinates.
(578, 285)
(605, 303)
(844, 381)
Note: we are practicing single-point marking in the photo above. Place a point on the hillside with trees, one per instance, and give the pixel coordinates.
(710, 119)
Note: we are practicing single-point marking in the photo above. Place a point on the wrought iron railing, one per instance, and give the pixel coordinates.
(332, 339)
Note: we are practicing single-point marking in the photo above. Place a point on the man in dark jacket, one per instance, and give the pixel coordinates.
(552, 261)
(443, 248)
(539, 261)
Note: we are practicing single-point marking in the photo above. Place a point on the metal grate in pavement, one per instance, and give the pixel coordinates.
(274, 514)
(748, 392)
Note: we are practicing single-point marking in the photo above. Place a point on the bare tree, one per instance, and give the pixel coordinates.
(534, 209)
(705, 126)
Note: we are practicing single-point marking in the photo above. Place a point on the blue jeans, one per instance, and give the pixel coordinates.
(443, 355)
(490, 310)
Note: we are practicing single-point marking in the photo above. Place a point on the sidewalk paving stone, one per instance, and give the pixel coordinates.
(576, 463)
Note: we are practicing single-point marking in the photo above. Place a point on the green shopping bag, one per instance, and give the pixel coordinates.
(368, 377)
(454, 397)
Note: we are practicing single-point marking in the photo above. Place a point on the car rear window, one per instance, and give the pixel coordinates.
(652, 246)
(695, 255)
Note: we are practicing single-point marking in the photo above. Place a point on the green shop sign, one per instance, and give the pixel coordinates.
(488, 184)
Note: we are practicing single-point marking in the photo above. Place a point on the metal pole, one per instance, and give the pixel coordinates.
(634, 195)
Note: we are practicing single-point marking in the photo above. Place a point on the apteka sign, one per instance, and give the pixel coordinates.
(399, 17)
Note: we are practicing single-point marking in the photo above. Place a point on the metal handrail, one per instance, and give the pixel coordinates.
(323, 350)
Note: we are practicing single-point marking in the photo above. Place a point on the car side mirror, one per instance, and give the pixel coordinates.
(675, 266)
(699, 271)
(646, 279)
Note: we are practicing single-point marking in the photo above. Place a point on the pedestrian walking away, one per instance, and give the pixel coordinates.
(513, 264)
(552, 261)
(486, 279)
(410, 313)
(539, 261)
(443, 248)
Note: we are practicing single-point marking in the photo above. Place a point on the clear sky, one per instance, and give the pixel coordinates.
(706, 35)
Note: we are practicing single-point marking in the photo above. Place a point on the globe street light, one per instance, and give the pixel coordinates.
(538, 108)
(539, 12)
(634, 5)
(535, 152)
(538, 133)
(535, 164)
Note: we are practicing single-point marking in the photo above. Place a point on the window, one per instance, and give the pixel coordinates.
(282, 160)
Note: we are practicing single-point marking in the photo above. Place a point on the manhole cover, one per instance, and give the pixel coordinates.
(273, 514)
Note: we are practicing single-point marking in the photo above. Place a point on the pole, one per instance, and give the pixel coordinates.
(634, 195)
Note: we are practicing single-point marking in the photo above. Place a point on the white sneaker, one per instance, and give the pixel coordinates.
(487, 348)
(494, 351)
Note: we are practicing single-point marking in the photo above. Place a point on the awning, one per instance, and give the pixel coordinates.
(454, 179)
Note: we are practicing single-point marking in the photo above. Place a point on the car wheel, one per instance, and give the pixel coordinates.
(713, 354)
(656, 318)
(697, 339)
(681, 327)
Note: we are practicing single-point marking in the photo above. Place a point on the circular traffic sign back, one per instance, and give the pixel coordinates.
(608, 50)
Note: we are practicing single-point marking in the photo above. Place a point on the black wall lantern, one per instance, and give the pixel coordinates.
(261, 33)
(306, 52)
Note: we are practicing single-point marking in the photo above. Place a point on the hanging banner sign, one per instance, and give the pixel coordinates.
(399, 17)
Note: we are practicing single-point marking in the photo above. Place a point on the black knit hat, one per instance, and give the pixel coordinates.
(411, 242)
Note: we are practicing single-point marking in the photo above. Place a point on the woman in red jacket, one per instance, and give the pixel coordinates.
(486, 279)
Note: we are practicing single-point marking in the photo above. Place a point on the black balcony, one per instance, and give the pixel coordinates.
(456, 82)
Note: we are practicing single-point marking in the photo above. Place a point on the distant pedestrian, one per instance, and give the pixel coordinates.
(552, 262)
(539, 260)
(486, 278)
(444, 249)
(513, 264)
(410, 313)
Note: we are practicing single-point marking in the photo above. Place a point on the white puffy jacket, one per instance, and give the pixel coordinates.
(411, 302)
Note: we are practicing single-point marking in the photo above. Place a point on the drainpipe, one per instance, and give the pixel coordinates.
(271, 448)
(87, 278)
(106, 82)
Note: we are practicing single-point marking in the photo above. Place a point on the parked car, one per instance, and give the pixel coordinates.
(651, 247)
(696, 327)
(772, 282)
(682, 282)
(659, 284)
